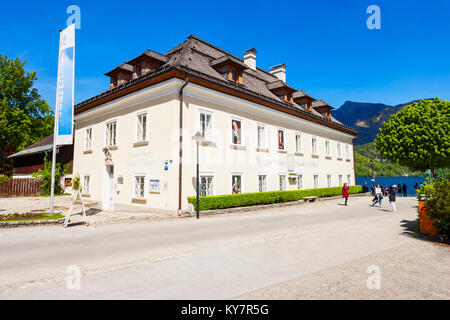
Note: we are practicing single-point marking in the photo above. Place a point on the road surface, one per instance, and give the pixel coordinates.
(314, 251)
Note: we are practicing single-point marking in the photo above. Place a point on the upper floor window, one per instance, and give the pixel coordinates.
(88, 139)
(141, 132)
(261, 136)
(280, 139)
(111, 134)
(327, 147)
(206, 125)
(314, 145)
(339, 151)
(236, 131)
(347, 151)
(298, 142)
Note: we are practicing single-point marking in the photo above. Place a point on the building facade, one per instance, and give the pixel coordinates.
(134, 143)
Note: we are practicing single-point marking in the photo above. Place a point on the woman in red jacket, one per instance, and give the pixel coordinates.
(345, 189)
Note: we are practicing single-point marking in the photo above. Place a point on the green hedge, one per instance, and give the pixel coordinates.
(256, 198)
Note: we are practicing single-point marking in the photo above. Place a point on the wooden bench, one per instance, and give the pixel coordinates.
(310, 199)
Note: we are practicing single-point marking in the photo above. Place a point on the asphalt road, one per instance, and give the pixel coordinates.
(321, 250)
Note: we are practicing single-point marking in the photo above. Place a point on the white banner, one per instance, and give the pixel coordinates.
(65, 87)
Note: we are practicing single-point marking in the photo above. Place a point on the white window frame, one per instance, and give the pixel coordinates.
(262, 125)
(329, 180)
(265, 182)
(106, 133)
(314, 152)
(300, 179)
(144, 197)
(327, 148)
(213, 186)
(339, 150)
(348, 179)
(231, 181)
(84, 184)
(231, 131)
(280, 175)
(318, 182)
(347, 151)
(340, 180)
(136, 131)
(211, 136)
(298, 149)
(284, 139)
(85, 139)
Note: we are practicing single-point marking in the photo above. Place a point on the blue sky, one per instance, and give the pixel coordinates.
(328, 50)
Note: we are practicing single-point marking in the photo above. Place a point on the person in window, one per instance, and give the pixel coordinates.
(236, 134)
(280, 140)
(236, 187)
(345, 189)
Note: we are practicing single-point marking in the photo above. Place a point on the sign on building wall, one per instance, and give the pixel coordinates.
(65, 87)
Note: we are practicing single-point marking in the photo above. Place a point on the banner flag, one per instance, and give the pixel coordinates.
(65, 87)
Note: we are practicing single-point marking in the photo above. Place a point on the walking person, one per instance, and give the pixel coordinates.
(345, 189)
(378, 196)
(392, 193)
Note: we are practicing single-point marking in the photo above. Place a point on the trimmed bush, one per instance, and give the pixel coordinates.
(257, 198)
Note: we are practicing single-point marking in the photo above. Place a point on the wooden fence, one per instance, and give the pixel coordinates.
(21, 187)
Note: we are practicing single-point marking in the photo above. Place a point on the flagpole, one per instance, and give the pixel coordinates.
(55, 132)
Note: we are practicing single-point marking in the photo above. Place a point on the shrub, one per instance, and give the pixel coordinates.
(257, 198)
(45, 175)
(4, 179)
(437, 201)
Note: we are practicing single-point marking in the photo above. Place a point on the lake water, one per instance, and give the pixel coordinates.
(387, 181)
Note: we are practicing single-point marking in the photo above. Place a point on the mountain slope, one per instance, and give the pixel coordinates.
(367, 118)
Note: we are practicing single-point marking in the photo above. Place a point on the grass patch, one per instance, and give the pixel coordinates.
(29, 216)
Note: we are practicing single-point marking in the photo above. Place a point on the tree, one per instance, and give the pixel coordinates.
(418, 136)
(24, 117)
(45, 175)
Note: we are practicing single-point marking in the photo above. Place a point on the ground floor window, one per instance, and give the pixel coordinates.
(282, 183)
(139, 187)
(86, 184)
(262, 183)
(329, 180)
(316, 180)
(236, 183)
(340, 180)
(206, 186)
(348, 179)
(300, 182)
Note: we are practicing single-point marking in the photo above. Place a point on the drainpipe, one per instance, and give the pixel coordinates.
(180, 160)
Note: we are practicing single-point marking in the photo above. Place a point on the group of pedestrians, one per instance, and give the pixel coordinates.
(379, 193)
(402, 190)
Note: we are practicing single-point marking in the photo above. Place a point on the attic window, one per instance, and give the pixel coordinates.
(232, 75)
(114, 81)
(286, 97)
(138, 70)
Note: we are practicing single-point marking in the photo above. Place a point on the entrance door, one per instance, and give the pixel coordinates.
(108, 188)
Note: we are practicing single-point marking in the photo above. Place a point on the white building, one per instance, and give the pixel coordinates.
(259, 134)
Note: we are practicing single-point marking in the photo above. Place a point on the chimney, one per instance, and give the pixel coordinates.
(250, 58)
(279, 71)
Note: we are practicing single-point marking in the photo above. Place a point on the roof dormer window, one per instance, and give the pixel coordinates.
(230, 68)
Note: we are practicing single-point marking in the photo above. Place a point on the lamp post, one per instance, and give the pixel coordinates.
(373, 177)
(198, 137)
